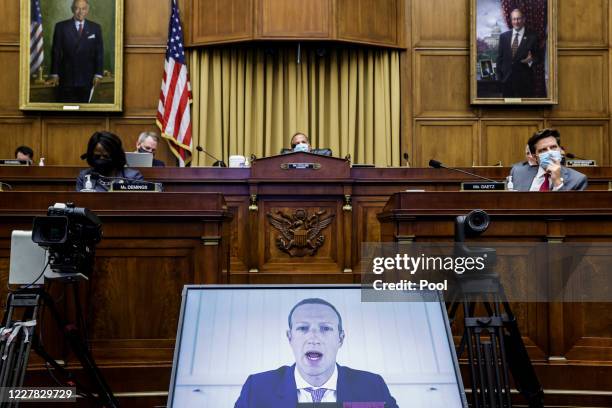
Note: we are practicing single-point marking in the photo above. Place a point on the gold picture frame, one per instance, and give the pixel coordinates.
(50, 82)
(524, 73)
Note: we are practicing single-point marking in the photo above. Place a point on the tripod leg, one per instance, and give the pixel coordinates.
(71, 333)
(468, 336)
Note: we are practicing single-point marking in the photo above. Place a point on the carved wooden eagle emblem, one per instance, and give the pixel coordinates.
(300, 232)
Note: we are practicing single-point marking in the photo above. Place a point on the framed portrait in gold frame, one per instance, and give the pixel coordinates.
(71, 55)
(513, 52)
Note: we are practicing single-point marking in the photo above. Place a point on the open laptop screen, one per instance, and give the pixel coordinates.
(139, 159)
(235, 348)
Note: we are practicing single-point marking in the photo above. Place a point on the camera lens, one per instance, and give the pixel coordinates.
(477, 221)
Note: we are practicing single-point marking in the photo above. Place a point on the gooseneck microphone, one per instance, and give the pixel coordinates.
(437, 165)
(573, 156)
(217, 163)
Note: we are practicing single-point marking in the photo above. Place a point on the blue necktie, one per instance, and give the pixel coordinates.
(317, 395)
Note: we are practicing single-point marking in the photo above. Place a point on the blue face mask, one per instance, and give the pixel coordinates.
(547, 158)
(301, 147)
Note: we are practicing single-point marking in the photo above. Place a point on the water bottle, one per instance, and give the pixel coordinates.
(509, 184)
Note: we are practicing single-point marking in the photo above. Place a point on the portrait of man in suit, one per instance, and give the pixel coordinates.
(315, 335)
(72, 53)
(514, 36)
(77, 60)
(516, 58)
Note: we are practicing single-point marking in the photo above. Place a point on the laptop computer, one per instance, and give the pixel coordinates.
(27, 260)
(135, 159)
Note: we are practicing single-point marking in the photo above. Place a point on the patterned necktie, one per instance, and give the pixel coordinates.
(80, 28)
(317, 395)
(545, 185)
(515, 45)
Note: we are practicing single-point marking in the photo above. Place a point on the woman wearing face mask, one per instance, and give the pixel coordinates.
(106, 159)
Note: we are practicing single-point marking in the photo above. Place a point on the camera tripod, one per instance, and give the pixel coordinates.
(494, 344)
(16, 349)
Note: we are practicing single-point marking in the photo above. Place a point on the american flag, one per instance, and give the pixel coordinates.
(36, 37)
(173, 115)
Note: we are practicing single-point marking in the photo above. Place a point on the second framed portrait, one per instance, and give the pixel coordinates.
(513, 52)
(71, 55)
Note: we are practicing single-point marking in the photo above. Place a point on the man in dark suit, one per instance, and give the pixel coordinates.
(77, 55)
(147, 143)
(315, 335)
(516, 57)
(549, 174)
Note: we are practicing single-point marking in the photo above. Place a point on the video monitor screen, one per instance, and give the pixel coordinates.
(286, 346)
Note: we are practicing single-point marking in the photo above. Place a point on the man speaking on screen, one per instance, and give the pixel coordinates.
(315, 335)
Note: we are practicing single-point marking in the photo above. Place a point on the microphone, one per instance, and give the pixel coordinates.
(573, 156)
(217, 163)
(407, 158)
(437, 165)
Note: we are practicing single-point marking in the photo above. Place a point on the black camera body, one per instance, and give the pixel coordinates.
(471, 225)
(70, 234)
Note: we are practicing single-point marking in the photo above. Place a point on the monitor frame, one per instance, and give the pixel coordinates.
(187, 288)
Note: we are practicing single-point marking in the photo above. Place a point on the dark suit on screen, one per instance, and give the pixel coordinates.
(517, 78)
(277, 389)
(76, 59)
(523, 175)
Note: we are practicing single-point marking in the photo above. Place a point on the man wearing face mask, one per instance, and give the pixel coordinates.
(106, 157)
(300, 143)
(549, 175)
(147, 143)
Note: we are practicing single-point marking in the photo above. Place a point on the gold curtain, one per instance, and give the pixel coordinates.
(250, 100)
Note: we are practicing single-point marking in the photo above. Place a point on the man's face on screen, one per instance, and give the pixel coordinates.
(315, 339)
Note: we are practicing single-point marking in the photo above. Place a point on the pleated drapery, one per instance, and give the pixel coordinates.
(251, 100)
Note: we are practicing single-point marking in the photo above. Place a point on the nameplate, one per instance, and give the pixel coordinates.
(300, 166)
(513, 100)
(581, 163)
(13, 162)
(135, 186)
(483, 186)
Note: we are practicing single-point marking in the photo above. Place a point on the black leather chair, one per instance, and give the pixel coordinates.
(321, 152)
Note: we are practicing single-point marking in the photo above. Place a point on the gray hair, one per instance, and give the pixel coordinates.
(143, 136)
(74, 3)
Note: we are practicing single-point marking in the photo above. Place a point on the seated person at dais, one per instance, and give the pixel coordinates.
(106, 158)
(24, 153)
(300, 143)
(549, 175)
(147, 143)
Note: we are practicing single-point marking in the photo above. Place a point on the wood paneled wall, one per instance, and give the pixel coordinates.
(439, 120)
(62, 138)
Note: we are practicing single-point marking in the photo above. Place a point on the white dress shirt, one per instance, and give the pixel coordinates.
(330, 385)
(538, 180)
(520, 32)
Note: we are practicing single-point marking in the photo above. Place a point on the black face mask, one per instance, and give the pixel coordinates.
(141, 150)
(103, 166)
